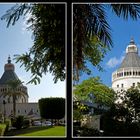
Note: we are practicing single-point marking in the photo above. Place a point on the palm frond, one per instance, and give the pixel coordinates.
(126, 10)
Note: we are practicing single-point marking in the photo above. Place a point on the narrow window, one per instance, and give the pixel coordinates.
(133, 84)
(122, 85)
(124, 73)
(117, 86)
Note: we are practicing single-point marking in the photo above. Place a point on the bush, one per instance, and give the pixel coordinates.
(2, 129)
(7, 122)
(76, 130)
(89, 132)
(84, 131)
(26, 123)
(18, 122)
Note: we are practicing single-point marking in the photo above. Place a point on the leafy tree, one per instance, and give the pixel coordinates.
(47, 23)
(92, 33)
(102, 95)
(123, 119)
(52, 108)
(13, 92)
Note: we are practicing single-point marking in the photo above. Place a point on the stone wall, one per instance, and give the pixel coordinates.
(21, 108)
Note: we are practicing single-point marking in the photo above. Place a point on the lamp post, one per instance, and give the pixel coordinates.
(4, 109)
(92, 97)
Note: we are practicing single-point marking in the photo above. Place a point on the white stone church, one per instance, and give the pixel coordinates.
(128, 74)
(23, 107)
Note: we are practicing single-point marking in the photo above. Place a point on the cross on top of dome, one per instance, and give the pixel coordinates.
(132, 47)
(9, 59)
(132, 41)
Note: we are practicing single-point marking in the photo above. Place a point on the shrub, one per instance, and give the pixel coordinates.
(89, 132)
(2, 129)
(18, 122)
(52, 108)
(26, 123)
(7, 122)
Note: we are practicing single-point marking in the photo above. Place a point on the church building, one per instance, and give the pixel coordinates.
(23, 107)
(128, 74)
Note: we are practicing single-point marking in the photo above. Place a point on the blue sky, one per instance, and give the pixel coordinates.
(122, 31)
(17, 40)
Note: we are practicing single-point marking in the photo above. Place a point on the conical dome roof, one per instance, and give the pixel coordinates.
(132, 58)
(9, 73)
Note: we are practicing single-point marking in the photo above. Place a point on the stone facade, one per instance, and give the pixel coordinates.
(23, 107)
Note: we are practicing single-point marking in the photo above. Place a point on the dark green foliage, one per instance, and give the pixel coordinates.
(47, 23)
(26, 123)
(123, 119)
(92, 33)
(84, 131)
(7, 122)
(52, 108)
(18, 122)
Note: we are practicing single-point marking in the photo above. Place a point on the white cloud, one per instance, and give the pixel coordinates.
(113, 62)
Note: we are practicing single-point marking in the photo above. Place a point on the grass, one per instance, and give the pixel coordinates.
(2, 129)
(39, 131)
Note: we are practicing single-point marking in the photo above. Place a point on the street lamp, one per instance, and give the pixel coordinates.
(4, 109)
(92, 97)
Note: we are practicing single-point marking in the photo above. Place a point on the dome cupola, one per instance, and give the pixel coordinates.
(9, 65)
(132, 47)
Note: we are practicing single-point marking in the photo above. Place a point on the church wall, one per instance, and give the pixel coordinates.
(21, 108)
(127, 83)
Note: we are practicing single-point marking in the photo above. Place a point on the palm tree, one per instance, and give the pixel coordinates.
(14, 93)
(92, 33)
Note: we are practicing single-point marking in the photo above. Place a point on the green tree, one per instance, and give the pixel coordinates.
(13, 92)
(47, 23)
(52, 108)
(92, 33)
(123, 119)
(103, 95)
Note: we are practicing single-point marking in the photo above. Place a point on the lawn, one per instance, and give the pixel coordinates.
(39, 131)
